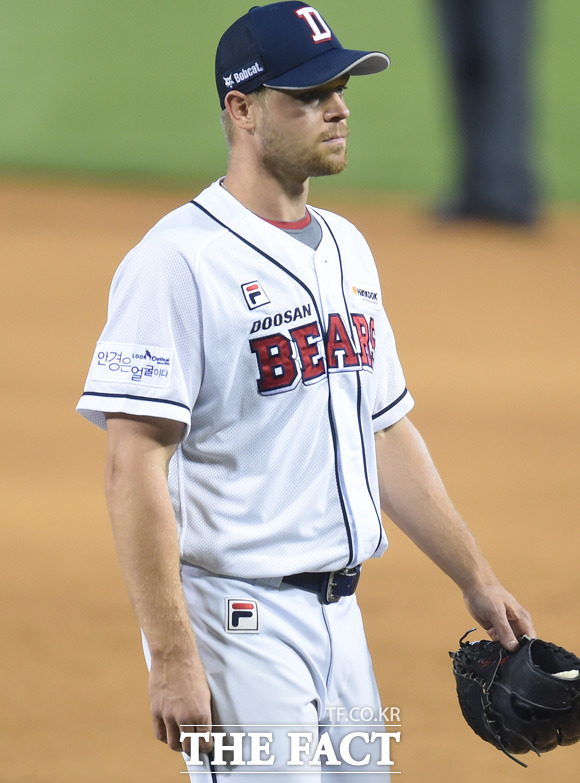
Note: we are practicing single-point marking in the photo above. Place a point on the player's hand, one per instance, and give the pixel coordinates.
(180, 696)
(498, 612)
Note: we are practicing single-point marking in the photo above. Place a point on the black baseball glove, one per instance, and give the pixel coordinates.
(520, 701)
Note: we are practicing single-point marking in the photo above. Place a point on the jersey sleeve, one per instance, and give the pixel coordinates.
(393, 400)
(147, 361)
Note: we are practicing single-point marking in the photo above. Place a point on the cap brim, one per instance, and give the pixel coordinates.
(328, 66)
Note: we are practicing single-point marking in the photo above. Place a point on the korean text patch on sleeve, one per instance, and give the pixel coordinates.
(141, 365)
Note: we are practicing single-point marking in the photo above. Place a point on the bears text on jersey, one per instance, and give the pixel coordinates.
(308, 355)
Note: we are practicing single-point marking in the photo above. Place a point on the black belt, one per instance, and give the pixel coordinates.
(331, 586)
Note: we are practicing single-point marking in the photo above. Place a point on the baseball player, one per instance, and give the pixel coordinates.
(256, 414)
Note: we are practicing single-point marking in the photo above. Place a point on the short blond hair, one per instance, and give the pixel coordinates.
(228, 126)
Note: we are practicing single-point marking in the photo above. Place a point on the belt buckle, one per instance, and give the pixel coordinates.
(341, 583)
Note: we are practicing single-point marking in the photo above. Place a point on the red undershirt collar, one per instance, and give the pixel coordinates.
(294, 225)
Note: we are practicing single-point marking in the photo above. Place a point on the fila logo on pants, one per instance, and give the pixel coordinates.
(306, 354)
(242, 615)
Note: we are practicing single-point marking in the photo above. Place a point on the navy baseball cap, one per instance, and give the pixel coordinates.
(286, 46)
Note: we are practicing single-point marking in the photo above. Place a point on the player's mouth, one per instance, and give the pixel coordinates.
(336, 137)
(339, 139)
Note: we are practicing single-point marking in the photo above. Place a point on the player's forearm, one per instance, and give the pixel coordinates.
(145, 536)
(414, 498)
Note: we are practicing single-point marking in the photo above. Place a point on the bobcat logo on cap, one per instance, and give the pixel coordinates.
(244, 73)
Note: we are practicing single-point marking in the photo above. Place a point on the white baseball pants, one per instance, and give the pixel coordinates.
(292, 677)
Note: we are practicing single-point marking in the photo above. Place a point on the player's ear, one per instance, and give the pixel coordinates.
(240, 107)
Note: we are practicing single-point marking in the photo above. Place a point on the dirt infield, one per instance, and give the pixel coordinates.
(488, 327)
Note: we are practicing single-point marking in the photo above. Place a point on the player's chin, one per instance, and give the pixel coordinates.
(331, 165)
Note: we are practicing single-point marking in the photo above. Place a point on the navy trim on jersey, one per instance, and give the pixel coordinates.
(135, 397)
(265, 255)
(392, 405)
(337, 477)
(350, 325)
(311, 295)
(359, 390)
(364, 456)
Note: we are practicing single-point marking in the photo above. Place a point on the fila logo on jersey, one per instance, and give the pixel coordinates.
(308, 355)
(242, 616)
(255, 295)
(320, 30)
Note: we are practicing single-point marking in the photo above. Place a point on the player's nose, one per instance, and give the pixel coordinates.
(337, 108)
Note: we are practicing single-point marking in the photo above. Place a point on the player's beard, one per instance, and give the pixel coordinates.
(290, 161)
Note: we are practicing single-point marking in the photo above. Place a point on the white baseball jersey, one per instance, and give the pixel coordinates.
(281, 363)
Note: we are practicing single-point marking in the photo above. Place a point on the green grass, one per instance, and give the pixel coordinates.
(125, 88)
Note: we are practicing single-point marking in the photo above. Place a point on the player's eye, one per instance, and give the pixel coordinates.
(320, 93)
(308, 97)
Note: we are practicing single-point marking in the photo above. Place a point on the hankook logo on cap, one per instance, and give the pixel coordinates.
(245, 73)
